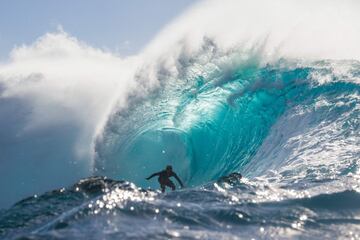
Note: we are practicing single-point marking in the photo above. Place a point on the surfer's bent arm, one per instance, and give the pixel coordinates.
(178, 179)
(153, 175)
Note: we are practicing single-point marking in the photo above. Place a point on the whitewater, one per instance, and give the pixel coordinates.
(270, 89)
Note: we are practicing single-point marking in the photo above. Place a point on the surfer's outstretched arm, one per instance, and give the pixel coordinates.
(153, 175)
(178, 179)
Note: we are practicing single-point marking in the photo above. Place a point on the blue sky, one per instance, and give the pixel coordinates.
(124, 26)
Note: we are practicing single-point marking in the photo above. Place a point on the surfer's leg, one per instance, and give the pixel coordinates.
(162, 185)
(171, 184)
(162, 188)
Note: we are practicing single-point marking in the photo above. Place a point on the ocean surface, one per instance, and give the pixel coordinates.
(287, 120)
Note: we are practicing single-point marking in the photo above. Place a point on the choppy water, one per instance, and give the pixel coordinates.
(105, 209)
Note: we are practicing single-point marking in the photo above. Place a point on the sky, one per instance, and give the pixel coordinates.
(121, 26)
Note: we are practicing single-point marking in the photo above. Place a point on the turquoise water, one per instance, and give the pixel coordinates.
(213, 120)
(290, 127)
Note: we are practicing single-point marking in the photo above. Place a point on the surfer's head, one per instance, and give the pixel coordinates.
(169, 168)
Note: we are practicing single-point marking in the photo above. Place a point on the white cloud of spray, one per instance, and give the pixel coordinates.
(306, 29)
(65, 80)
(64, 90)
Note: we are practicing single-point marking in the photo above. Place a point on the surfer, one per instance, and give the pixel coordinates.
(164, 178)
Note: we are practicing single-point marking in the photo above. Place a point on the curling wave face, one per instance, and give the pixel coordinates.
(228, 113)
(215, 98)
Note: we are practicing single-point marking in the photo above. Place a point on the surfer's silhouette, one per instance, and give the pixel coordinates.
(164, 178)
